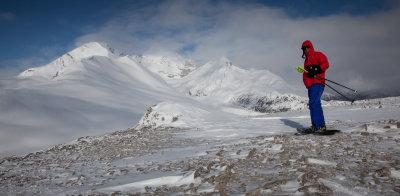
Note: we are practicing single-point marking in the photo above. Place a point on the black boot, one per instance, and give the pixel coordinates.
(312, 129)
(322, 129)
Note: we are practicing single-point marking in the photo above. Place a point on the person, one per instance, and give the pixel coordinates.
(316, 64)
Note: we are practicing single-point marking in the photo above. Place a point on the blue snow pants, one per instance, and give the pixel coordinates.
(314, 95)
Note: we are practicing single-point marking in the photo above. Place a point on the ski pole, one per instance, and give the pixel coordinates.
(352, 100)
(301, 70)
(336, 83)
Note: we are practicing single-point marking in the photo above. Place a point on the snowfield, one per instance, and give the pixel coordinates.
(212, 130)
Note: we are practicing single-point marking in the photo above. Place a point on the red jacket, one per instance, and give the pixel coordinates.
(314, 58)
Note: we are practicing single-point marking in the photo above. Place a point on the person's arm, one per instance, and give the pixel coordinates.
(323, 62)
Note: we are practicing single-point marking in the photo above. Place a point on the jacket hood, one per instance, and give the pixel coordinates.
(308, 43)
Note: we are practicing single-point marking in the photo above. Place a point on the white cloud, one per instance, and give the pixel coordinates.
(257, 36)
(13, 67)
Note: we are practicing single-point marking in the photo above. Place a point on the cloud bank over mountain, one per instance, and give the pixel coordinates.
(257, 36)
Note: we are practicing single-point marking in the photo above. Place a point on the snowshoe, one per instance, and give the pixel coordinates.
(313, 130)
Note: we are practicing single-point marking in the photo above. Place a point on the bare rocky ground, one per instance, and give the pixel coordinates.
(357, 161)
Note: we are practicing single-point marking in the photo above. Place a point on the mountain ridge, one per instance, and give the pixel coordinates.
(125, 87)
(56, 67)
(92, 94)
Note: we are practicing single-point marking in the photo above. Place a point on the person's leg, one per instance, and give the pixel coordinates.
(320, 112)
(314, 94)
(311, 95)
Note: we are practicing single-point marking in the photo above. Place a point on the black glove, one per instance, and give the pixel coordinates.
(313, 70)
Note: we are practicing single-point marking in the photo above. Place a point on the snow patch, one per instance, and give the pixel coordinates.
(340, 189)
(276, 148)
(395, 173)
(320, 162)
(167, 114)
(140, 186)
(292, 186)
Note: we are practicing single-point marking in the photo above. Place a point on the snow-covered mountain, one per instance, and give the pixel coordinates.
(258, 90)
(88, 91)
(362, 95)
(94, 89)
(223, 79)
(192, 131)
(63, 64)
(168, 67)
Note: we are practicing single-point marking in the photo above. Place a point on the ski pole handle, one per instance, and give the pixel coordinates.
(300, 69)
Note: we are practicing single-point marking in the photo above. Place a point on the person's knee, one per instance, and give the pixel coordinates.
(314, 105)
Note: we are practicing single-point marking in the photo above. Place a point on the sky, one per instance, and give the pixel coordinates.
(360, 38)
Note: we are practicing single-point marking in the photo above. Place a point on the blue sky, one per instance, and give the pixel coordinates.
(33, 27)
(253, 34)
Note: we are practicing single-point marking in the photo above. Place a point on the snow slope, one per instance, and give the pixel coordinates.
(87, 91)
(94, 89)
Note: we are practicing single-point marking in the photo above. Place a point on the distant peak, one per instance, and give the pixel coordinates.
(95, 49)
(89, 49)
(221, 62)
(92, 45)
(56, 68)
(225, 60)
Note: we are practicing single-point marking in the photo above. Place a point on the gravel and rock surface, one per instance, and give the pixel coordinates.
(362, 160)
